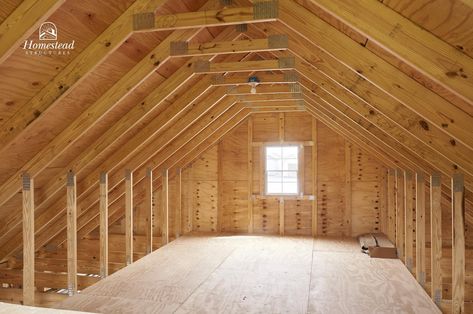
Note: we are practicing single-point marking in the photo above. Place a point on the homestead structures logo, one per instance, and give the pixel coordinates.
(48, 42)
(47, 31)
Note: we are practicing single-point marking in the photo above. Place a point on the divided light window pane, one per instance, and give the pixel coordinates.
(282, 165)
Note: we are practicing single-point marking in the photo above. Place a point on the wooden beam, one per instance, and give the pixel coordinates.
(103, 208)
(185, 49)
(458, 244)
(46, 279)
(260, 12)
(148, 208)
(20, 24)
(281, 216)
(165, 206)
(411, 43)
(220, 196)
(347, 213)
(104, 104)
(206, 67)
(107, 42)
(28, 241)
(250, 174)
(301, 166)
(436, 237)
(129, 216)
(429, 144)
(281, 127)
(420, 229)
(71, 233)
(261, 90)
(382, 135)
(400, 214)
(378, 71)
(391, 227)
(157, 147)
(178, 213)
(190, 209)
(314, 178)
(362, 134)
(264, 78)
(343, 129)
(409, 220)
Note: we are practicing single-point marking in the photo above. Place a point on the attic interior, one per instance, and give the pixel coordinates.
(229, 156)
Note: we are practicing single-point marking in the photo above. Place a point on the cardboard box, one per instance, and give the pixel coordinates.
(382, 252)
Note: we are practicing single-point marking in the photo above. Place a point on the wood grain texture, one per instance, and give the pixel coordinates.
(102, 46)
(148, 208)
(165, 206)
(129, 216)
(314, 216)
(21, 22)
(420, 229)
(71, 233)
(436, 237)
(347, 213)
(405, 39)
(250, 175)
(441, 18)
(103, 208)
(256, 274)
(458, 245)
(400, 214)
(391, 232)
(375, 69)
(409, 220)
(28, 241)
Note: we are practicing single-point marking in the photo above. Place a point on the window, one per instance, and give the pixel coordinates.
(282, 168)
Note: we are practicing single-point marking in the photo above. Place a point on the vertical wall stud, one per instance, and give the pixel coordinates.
(409, 220)
(220, 170)
(420, 229)
(190, 187)
(165, 204)
(348, 201)
(71, 233)
(250, 175)
(28, 240)
(281, 216)
(400, 214)
(458, 245)
(301, 172)
(178, 220)
(314, 178)
(391, 231)
(129, 216)
(436, 236)
(103, 208)
(262, 177)
(148, 208)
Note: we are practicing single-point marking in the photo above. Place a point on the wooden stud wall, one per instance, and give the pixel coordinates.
(349, 192)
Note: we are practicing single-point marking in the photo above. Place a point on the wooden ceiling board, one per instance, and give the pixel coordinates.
(24, 75)
(452, 21)
(7, 7)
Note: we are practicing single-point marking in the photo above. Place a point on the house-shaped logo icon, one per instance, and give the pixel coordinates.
(48, 31)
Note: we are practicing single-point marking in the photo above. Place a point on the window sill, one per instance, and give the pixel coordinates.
(283, 196)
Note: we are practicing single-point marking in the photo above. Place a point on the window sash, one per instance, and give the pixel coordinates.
(278, 171)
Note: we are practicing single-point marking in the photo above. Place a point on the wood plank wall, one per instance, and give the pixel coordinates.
(219, 178)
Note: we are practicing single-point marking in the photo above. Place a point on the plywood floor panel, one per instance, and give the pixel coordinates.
(257, 274)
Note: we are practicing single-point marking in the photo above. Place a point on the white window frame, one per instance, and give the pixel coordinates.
(298, 171)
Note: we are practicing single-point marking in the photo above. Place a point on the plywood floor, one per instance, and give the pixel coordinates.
(257, 274)
(6, 308)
